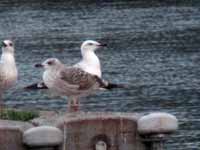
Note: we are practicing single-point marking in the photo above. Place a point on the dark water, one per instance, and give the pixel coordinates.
(153, 45)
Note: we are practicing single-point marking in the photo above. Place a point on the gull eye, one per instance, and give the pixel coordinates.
(90, 44)
(10, 44)
(50, 62)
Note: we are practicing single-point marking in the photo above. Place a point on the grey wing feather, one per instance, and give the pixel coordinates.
(77, 76)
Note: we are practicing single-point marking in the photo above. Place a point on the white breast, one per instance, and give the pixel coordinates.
(48, 78)
(90, 63)
(94, 69)
(8, 71)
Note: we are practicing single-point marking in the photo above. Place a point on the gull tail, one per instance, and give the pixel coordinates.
(111, 86)
(36, 86)
(108, 85)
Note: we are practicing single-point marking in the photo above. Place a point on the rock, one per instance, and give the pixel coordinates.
(15, 124)
(11, 139)
(100, 130)
(11, 134)
(43, 136)
(157, 123)
(47, 118)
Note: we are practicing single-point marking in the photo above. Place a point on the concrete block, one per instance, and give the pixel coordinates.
(100, 130)
(11, 134)
(11, 139)
(23, 126)
(43, 136)
(157, 123)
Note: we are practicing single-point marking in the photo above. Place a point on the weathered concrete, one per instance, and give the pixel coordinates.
(11, 134)
(43, 136)
(154, 127)
(11, 139)
(157, 123)
(23, 126)
(90, 131)
(47, 118)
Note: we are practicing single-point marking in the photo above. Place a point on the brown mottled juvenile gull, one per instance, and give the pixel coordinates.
(8, 69)
(70, 81)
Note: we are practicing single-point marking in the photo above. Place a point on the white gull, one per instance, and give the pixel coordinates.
(8, 69)
(90, 61)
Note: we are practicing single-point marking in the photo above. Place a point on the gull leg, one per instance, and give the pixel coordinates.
(70, 104)
(1, 106)
(75, 104)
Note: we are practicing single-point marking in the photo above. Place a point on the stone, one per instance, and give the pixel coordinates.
(11, 139)
(47, 118)
(23, 126)
(157, 123)
(100, 130)
(11, 134)
(43, 136)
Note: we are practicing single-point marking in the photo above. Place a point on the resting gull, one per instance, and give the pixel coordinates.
(70, 81)
(89, 63)
(8, 69)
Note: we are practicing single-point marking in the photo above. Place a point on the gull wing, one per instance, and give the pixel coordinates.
(78, 77)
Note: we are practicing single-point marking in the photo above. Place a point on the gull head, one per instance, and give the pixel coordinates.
(50, 63)
(8, 46)
(91, 45)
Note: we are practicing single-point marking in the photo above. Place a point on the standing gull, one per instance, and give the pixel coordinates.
(89, 63)
(8, 69)
(70, 81)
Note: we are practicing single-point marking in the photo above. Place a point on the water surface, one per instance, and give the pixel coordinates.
(154, 46)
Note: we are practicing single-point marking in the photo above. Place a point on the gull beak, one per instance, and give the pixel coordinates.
(38, 65)
(103, 45)
(3, 44)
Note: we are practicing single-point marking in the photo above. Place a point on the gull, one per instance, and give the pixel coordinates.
(8, 69)
(89, 63)
(72, 82)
